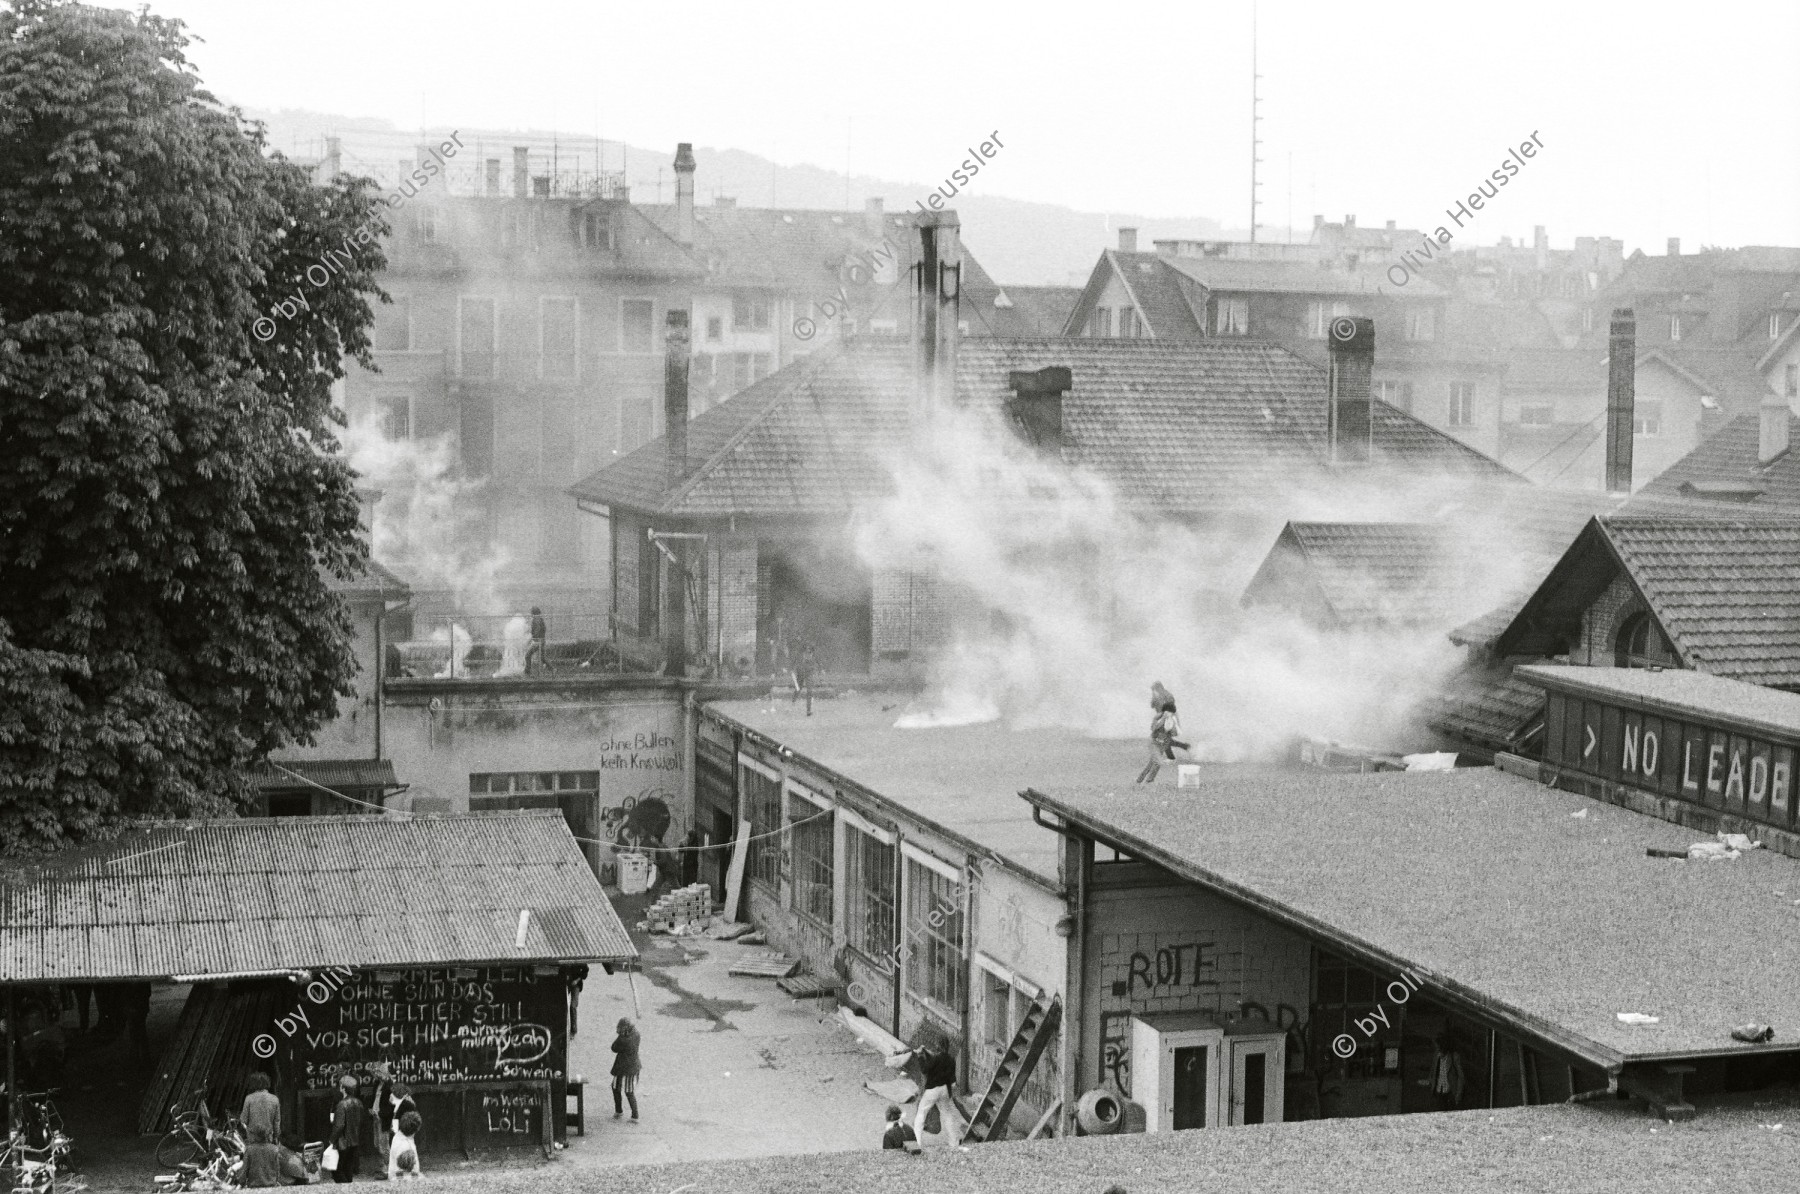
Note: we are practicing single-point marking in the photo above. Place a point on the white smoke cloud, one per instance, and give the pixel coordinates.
(424, 523)
(1074, 603)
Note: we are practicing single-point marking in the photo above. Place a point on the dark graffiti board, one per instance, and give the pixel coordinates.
(431, 1027)
(506, 1116)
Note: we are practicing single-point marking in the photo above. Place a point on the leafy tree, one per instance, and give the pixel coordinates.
(172, 503)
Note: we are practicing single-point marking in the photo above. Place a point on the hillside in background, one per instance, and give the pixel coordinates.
(1019, 241)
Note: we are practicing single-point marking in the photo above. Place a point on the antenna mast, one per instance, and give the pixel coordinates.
(1255, 119)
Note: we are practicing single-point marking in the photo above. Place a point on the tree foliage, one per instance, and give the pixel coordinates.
(172, 504)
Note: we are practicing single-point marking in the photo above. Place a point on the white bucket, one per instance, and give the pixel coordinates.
(634, 873)
(1187, 775)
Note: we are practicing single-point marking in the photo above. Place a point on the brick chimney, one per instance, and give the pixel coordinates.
(521, 172)
(1773, 440)
(937, 297)
(1674, 246)
(1621, 392)
(684, 193)
(675, 434)
(1351, 351)
(1128, 240)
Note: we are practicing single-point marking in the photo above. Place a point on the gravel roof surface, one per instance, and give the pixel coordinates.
(1678, 689)
(1491, 883)
(1588, 1149)
(966, 778)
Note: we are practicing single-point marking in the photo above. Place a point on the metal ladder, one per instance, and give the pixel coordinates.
(1035, 1032)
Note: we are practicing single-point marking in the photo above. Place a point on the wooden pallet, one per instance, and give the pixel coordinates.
(803, 986)
(776, 966)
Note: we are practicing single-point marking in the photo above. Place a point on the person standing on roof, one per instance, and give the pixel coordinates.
(1165, 731)
(535, 658)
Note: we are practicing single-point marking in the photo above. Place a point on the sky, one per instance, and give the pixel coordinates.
(1655, 121)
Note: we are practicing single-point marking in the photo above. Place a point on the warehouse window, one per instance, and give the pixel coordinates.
(762, 799)
(934, 927)
(810, 833)
(868, 894)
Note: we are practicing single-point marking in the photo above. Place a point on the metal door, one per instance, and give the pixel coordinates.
(1255, 1082)
(1193, 1083)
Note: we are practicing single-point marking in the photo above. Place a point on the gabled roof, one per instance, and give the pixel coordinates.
(767, 246)
(1727, 373)
(1726, 593)
(1033, 311)
(263, 894)
(1362, 574)
(1779, 346)
(1175, 426)
(1731, 455)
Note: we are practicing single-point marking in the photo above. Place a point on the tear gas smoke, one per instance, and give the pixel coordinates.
(1071, 602)
(425, 525)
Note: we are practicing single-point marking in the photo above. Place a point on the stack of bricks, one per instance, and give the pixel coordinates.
(682, 906)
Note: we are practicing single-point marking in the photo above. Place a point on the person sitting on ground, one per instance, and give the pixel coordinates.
(264, 1165)
(403, 1154)
(899, 1133)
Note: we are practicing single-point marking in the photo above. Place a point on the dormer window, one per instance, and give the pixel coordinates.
(1036, 405)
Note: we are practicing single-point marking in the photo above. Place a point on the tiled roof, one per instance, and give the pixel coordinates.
(1294, 277)
(261, 894)
(765, 246)
(1731, 456)
(1727, 373)
(1489, 707)
(1727, 594)
(1174, 425)
(1366, 573)
(1158, 292)
(1498, 892)
(1678, 691)
(1036, 311)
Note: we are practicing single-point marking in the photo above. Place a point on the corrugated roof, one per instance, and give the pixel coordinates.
(1173, 425)
(261, 894)
(1496, 892)
(1678, 691)
(336, 774)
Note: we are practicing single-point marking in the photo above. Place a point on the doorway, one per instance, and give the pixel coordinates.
(1193, 1074)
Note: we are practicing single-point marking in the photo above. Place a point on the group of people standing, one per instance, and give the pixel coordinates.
(387, 1126)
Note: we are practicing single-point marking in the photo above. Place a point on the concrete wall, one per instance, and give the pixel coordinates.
(1156, 944)
(352, 734)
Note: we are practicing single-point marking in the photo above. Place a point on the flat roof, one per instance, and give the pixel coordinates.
(1597, 1148)
(267, 894)
(964, 778)
(1535, 904)
(1680, 691)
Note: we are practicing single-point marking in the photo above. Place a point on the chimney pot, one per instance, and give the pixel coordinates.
(1318, 223)
(1349, 222)
(1621, 392)
(1390, 226)
(1674, 246)
(521, 171)
(1350, 349)
(938, 296)
(1773, 441)
(684, 193)
(1128, 240)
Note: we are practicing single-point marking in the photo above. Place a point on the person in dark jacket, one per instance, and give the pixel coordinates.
(535, 657)
(899, 1133)
(937, 1068)
(261, 1116)
(625, 1068)
(347, 1130)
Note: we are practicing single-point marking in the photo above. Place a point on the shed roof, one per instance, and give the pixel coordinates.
(276, 893)
(279, 775)
(1176, 426)
(1677, 691)
(1493, 890)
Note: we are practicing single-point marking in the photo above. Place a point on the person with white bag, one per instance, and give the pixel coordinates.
(344, 1148)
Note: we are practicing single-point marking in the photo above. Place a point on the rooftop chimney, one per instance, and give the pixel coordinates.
(334, 157)
(938, 298)
(1540, 241)
(521, 171)
(1128, 240)
(493, 176)
(1774, 439)
(1621, 392)
(1349, 223)
(1390, 226)
(1674, 246)
(684, 193)
(1351, 348)
(873, 214)
(1318, 223)
(1036, 404)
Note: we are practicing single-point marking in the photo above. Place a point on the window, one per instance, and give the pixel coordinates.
(1320, 315)
(715, 327)
(1774, 325)
(475, 339)
(1537, 414)
(425, 222)
(1128, 322)
(750, 313)
(1100, 325)
(393, 326)
(1421, 323)
(810, 836)
(762, 800)
(393, 413)
(1587, 319)
(1646, 417)
(1232, 317)
(1462, 404)
(1791, 376)
(1641, 643)
(868, 894)
(636, 320)
(1674, 327)
(1397, 394)
(934, 926)
(595, 232)
(557, 344)
(996, 1013)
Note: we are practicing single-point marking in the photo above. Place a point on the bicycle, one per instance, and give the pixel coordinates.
(31, 1168)
(193, 1140)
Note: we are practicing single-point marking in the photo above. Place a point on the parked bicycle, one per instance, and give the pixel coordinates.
(39, 1150)
(196, 1139)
